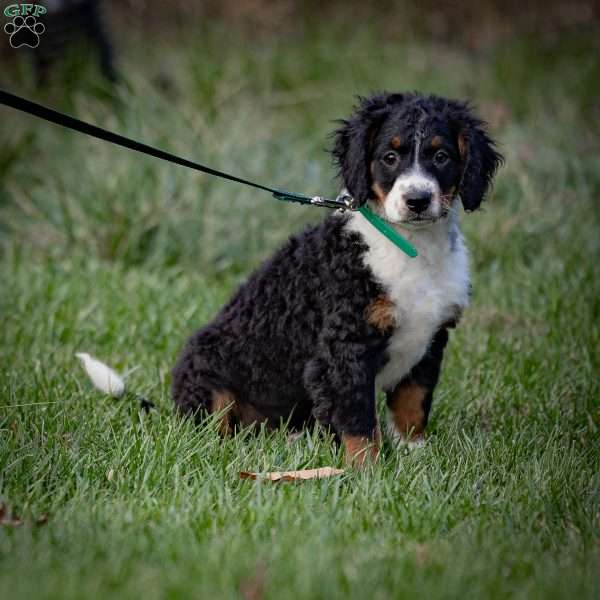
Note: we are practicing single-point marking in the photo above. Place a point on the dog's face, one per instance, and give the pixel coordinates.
(412, 155)
(415, 169)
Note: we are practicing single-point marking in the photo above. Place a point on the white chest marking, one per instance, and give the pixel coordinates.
(426, 290)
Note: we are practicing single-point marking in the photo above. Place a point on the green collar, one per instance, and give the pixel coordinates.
(389, 232)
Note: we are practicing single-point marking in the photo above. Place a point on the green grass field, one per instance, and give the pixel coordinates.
(110, 253)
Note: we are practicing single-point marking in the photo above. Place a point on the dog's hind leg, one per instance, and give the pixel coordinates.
(194, 399)
(190, 394)
(223, 402)
(200, 386)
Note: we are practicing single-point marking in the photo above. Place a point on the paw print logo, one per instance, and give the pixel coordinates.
(24, 31)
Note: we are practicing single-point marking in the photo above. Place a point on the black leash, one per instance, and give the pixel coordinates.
(58, 118)
(343, 201)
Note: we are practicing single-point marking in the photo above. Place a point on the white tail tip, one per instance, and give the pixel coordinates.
(102, 376)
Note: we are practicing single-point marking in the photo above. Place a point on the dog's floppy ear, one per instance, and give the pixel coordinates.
(478, 153)
(353, 143)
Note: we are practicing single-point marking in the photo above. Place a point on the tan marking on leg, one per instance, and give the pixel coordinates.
(380, 313)
(406, 404)
(223, 401)
(360, 450)
(247, 415)
(396, 142)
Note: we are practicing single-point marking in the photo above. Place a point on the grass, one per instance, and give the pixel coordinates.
(117, 255)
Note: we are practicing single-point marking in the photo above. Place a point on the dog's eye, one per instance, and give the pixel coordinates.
(441, 158)
(390, 159)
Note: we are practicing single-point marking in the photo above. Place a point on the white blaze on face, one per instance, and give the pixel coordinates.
(413, 180)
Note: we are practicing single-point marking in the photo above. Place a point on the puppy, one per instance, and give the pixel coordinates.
(340, 311)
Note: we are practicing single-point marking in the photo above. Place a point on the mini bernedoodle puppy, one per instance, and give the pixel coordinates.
(340, 311)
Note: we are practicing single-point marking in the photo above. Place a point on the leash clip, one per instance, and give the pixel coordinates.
(346, 201)
(339, 202)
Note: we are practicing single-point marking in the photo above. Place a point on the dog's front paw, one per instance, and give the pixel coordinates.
(408, 442)
(415, 443)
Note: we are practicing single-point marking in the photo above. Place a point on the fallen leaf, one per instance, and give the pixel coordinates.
(293, 475)
(253, 587)
(8, 520)
(42, 519)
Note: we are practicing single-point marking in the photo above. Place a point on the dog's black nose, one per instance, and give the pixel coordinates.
(418, 200)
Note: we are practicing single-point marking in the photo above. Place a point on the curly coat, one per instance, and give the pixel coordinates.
(310, 333)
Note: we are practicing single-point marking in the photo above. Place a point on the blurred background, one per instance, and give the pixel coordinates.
(253, 87)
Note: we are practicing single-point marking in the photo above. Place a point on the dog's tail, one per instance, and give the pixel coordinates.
(107, 380)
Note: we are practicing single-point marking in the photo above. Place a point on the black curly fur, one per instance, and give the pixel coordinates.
(294, 345)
